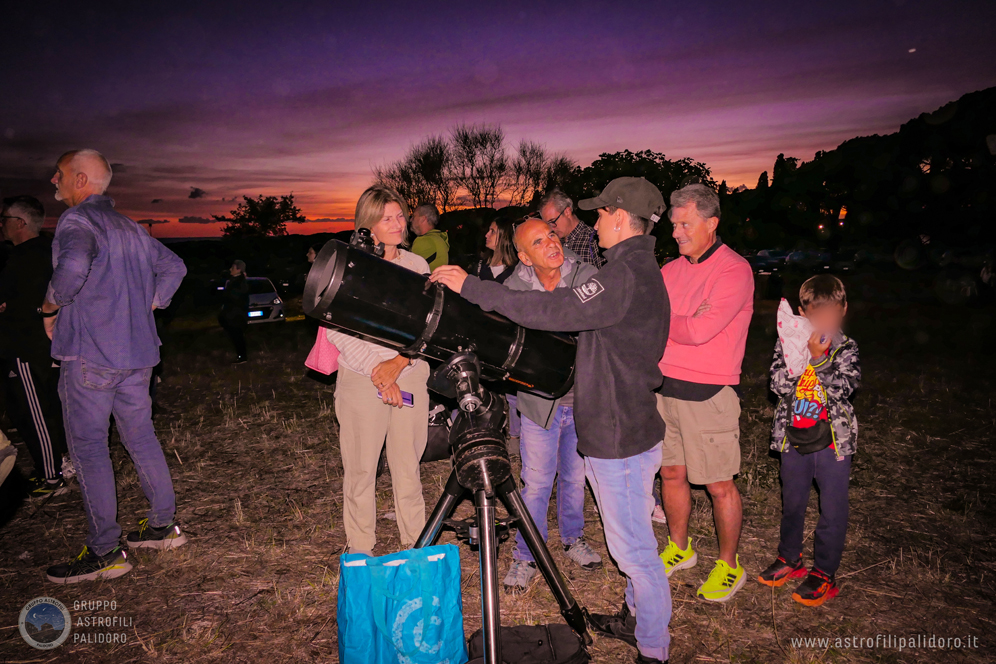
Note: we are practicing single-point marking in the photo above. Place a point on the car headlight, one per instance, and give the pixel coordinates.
(276, 300)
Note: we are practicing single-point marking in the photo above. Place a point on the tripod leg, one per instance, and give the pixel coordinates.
(569, 608)
(488, 548)
(443, 509)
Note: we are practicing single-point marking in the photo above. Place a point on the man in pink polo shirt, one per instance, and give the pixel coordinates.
(711, 289)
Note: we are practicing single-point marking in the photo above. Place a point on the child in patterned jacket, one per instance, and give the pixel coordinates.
(816, 432)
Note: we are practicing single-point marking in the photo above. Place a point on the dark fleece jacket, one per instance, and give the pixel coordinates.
(622, 314)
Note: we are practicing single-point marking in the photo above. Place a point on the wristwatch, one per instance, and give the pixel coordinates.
(49, 314)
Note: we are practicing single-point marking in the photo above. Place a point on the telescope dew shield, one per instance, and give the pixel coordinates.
(379, 301)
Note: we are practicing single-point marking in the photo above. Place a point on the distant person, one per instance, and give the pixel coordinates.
(33, 378)
(549, 443)
(313, 324)
(500, 256)
(234, 316)
(431, 244)
(109, 276)
(557, 209)
(621, 316)
(498, 263)
(369, 401)
(816, 432)
(712, 300)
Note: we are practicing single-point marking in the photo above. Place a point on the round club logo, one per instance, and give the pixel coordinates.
(45, 623)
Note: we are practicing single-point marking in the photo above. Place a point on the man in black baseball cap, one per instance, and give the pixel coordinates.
(622, 316)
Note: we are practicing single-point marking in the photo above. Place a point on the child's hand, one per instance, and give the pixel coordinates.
(819, 343)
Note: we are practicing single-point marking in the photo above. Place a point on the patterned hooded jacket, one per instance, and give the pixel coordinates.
(840, 375)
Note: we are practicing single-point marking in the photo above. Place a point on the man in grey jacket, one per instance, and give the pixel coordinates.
(622, 314)
(549, 443)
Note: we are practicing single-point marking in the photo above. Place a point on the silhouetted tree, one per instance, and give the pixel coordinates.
(261, 216)
(534, 172)
(667, 174)
(481, 164)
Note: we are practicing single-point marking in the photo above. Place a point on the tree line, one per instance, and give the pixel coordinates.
(474, 167)
(934, 178)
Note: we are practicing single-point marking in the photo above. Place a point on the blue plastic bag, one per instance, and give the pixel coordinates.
(405, 608)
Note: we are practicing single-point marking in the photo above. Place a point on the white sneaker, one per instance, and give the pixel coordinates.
(658, 515)
(520, 575)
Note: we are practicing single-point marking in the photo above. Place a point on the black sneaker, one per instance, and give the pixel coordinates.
(643, 659)
(781, 571)
(42, 487)
(816, 589)
(620, 626)
(241, 360)
(88, 566)
(166, 537)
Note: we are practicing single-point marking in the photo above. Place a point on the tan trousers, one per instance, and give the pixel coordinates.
(364, 423)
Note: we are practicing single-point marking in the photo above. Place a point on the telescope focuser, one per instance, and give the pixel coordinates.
(362, 239)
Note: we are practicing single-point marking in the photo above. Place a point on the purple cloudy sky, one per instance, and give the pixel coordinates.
(200, 103)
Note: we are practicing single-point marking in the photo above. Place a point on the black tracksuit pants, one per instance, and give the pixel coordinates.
(37, 413)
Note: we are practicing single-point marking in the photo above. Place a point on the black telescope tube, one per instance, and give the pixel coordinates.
(369, 297)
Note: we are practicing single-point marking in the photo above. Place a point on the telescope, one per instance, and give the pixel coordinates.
(350, 287)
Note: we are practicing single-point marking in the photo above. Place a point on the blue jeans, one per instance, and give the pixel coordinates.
(623, 489)
(548, 454)
(514, 420)
(90, 395)
(832, 479)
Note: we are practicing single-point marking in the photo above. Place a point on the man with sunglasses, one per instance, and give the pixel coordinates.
(33, 378)
(557, 209)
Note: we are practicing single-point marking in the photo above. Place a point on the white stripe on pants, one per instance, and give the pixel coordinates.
(38, 417)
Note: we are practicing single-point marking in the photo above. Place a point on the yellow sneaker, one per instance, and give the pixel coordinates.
(675, 559)
(723, 582)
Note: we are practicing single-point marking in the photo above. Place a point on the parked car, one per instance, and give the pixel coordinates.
(809, 259)
(767, 261)
(265, 305)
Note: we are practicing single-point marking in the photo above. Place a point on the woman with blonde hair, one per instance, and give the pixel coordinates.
(369, 403)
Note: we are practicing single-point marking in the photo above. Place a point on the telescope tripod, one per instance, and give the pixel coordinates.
(481, 467)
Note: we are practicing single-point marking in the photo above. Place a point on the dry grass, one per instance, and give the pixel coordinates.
(258, 477)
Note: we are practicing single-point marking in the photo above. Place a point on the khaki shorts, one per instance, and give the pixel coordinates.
(703, 436)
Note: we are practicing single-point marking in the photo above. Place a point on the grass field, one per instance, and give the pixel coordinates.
(255, 462)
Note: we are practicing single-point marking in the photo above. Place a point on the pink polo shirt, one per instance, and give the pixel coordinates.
(708, 349)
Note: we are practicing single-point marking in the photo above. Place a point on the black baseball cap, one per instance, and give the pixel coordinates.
(635, 195)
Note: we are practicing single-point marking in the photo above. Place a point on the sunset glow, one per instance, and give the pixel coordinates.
(269, 98)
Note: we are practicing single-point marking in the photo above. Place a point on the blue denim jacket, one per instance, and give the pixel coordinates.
(108, 275)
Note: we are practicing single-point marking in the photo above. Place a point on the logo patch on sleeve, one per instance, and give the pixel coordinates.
(589, 290)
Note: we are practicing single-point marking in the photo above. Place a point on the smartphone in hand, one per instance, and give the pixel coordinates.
(407, 399)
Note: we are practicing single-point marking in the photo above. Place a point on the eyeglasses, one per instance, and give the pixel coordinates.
(553, 221)
(535, 216)
(6, 217)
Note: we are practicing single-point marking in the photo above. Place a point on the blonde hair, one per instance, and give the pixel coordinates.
(370, 207)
